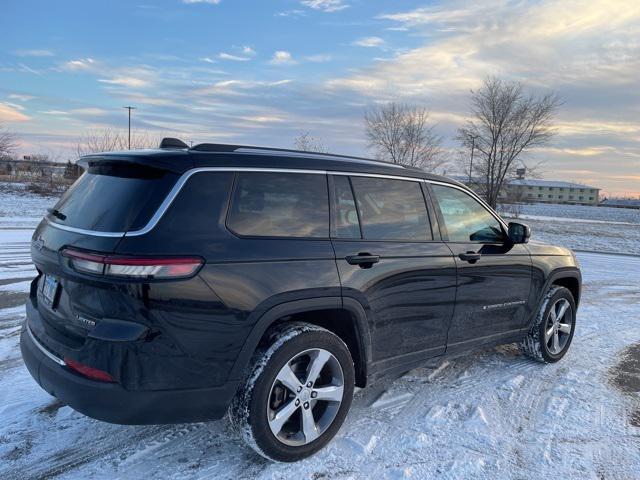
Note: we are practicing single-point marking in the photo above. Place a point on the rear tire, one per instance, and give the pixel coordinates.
(297, 393)
(550, 337)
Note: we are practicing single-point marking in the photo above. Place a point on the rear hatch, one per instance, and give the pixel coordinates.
(108, 200)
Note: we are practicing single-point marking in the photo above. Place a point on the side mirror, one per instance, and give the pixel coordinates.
(519, 232)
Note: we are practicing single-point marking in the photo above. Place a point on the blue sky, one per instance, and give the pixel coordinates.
(259, 72)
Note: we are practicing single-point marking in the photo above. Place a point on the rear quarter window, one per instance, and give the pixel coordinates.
(114, 198)
(280, 205)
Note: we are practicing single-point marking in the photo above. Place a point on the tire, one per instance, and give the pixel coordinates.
(270, 394)
(548, 339)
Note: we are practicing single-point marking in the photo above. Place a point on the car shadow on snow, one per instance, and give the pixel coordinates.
(625, 376)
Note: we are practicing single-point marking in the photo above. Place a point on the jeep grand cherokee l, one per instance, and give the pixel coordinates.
(178, 284)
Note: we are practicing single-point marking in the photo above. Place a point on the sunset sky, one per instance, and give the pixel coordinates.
(258, 72)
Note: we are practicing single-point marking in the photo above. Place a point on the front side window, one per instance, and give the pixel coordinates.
(391, 209)
(280, 205)
(466, 219)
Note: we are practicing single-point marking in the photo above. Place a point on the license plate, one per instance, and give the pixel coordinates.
(50, 290)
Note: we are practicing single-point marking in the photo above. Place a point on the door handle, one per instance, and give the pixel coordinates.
(363, 260)
(471, 257)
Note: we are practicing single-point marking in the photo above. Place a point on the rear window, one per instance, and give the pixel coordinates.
(391, 209)
(114, 198)
(280, 205)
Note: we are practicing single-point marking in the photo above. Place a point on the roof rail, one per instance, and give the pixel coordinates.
(221, 147)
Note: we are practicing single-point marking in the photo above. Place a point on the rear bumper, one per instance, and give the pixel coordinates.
(110, 402)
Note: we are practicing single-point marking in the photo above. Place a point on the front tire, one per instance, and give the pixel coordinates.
(549, 338)
(297, 394)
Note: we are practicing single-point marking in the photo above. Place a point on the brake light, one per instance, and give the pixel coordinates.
(89, 372)
(132, 267)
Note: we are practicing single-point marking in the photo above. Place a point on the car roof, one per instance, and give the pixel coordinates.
(180, 160)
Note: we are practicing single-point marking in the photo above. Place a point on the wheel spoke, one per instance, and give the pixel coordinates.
(309, 427)
(282, 416)
(565, 327)
(552, 314)
(288, 378)
(556, 342)
(316, 365)
(563, 309)
(548, 333)
(330, 394)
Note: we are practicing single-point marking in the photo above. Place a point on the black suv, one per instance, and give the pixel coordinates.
(178, 284)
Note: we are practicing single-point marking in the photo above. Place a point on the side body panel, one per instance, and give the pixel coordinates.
(408, 297)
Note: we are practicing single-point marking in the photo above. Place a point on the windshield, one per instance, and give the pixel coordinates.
(113, 198)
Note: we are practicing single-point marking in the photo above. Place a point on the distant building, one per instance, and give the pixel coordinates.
(551, 191)
(31, 166)
(621, 203)
(523, 190)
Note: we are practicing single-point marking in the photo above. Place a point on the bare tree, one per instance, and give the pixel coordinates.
(8, 142)
(108, 140)
(506, 123)
(307, 143)
(401, 133)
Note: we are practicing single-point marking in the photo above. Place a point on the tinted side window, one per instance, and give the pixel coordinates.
(344, 221)
(465, 218)
(391, 209)
(280, 205)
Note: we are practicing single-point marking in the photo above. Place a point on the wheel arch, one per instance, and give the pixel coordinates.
(346, 319)
(567, 277)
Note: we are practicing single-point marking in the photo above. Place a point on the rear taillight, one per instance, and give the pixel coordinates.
(89, 372)
(131, 267)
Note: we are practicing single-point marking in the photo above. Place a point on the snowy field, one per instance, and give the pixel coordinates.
(580, 227)
(493, 414)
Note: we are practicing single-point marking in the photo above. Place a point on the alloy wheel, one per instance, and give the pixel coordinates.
(305, 397)
(558, 326)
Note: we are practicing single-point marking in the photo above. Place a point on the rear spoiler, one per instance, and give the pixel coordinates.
(176, 161)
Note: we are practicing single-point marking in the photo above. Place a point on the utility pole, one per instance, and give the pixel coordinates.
(473, 147)
(129, 108)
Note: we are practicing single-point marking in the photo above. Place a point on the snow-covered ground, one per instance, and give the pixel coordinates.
(492, 414)
(579, 227)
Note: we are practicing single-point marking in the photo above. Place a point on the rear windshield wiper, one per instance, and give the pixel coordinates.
(57, 213)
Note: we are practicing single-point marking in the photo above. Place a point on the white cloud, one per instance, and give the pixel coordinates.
(235, 58)
(282, 57)
(319, 58)
(9, 113)
(28, 69)
(20, 97)
(263, 119)
(291, 13)
(80, 64)
(34, 53)
(369, 42)
(325, 5)
(210, 2)
(92, 111)
(55, 112)
(238, 87)
(207, 60)
(131, 82)
(248, 50)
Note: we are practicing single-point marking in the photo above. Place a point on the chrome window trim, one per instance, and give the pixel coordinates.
(40, 347)
(175, 190)
(83, 231)
(376, 175)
